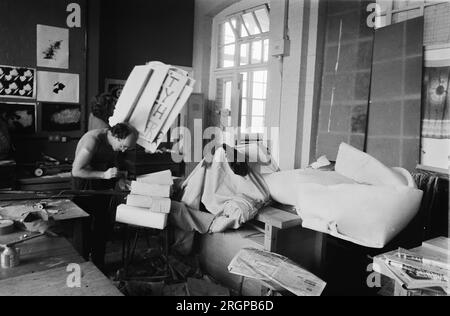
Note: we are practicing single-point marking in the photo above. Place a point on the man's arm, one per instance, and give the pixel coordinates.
(81, 167)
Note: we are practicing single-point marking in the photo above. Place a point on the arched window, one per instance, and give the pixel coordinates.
(240, 57)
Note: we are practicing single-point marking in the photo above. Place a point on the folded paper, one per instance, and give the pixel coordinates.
(155, 204)
(146, 189)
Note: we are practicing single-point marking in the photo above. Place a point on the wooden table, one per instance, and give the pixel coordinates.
(54, 283)
(70, 216)
(43, 271)
(438, 247)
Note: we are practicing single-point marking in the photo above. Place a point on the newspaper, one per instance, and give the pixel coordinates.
(273, 268)
(413, 271)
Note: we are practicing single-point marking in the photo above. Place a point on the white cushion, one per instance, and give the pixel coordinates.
(363, 168)
(283, 186)
(364, 214)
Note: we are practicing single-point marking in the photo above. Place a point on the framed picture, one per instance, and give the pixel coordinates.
(58, 87)
(17, 82)
(435, 107)
(114, 87)
(19, 117)
(60, 117)
(52, 47)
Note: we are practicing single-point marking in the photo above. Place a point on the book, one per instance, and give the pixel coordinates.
(141, 217)
(153, 190)
(154, 204)
(163, 177)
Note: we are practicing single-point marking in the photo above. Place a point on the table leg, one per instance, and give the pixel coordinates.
(271, 238)
(78, 232)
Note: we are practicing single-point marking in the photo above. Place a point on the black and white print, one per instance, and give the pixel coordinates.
(20, 118)
(58, 87)
(17, 82)
(61, 117)
(52, 47)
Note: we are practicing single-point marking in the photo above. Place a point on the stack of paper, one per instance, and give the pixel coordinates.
(149, 203)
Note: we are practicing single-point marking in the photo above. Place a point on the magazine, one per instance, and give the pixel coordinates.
(415, 272)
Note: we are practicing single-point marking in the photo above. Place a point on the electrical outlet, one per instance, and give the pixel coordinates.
(280, 47)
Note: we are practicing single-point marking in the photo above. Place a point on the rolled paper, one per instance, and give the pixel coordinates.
(141, 217)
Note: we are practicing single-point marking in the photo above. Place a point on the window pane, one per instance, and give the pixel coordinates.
(244, 107)
(226, 56)
(244, 85)
(259, 90)
(266, 51)
(227, 97)
(257, 124)
(258, 108)
(244, 32)
(219, 92)
(243, 124)
(250, 23)
(257, 52)
(260, 76)
(226, 34)
(233, 22)
(263, 19)
(245, 54)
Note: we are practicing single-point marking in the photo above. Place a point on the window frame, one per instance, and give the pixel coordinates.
(390, 11)
(235, 71)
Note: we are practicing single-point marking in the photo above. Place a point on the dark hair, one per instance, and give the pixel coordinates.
(102, 106)
(122, 130)
(239, 167)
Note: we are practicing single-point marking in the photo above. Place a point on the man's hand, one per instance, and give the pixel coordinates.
(111, 174)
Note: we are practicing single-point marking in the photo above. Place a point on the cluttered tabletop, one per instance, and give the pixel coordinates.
(33, 255)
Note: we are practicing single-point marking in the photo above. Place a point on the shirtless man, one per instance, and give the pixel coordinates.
(96, 168)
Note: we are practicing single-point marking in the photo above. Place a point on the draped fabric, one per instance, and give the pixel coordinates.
(436, 101)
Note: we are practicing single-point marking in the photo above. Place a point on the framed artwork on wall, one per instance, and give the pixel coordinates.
(20, 118)
(114, 87)
(435, 144)
(60, 117)
(17, 82)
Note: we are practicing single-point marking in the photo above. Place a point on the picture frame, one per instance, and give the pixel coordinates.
(21, 118)
(61, 117)
(114, 87)
(17, 82)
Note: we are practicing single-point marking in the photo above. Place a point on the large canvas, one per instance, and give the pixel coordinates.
(52, 47)
(17, 82)
(58, 87)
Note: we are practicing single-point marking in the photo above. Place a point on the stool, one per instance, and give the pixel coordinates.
(130, 243)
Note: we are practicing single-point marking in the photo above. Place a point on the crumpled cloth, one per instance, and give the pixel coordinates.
(232, 199)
